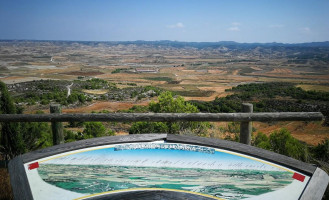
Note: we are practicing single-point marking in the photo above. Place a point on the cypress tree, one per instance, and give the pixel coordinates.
(11, 140)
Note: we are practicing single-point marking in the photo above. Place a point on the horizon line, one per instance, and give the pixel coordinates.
(54, 40)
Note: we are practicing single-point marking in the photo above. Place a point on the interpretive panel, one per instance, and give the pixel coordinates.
(209, 172)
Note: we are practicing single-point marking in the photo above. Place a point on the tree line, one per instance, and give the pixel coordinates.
(264, 97)
(18, 138)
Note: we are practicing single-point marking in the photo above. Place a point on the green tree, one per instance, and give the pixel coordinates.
(168, 104)
(262, 141)
(111, 133)
(148, 127)
(36, 135)
(283, 143)
(74, 124)
(44, 102)
(82, 98)
(70, 136)
(72, 98)
(321, 151)
(94, 129)
(232, 127)
(11, 141)
(18, 138)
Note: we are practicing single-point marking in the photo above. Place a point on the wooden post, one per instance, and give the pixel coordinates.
(57, 127)
(246, 127)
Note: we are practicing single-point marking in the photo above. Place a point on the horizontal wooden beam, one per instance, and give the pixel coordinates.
(165, 117)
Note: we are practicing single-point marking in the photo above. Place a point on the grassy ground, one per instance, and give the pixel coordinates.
(312, 133)
(324, 88)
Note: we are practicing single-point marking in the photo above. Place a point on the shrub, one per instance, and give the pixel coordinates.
(168, 104)
(283, 143)
(262, 141)
(321, 151)
(94, 129)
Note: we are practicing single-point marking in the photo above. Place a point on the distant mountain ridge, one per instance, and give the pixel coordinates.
(179, 44)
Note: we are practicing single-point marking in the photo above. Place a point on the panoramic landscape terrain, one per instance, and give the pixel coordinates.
(168, 76)
(90, 77)
(185, 56)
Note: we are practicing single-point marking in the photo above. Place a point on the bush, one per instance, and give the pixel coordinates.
(36, 135)
(148, 127)
(94, 129)
(168, 104)
(283, 143)
(111, 133)
(321, 151)
(75, 124)
(262, 141)
(69, 136)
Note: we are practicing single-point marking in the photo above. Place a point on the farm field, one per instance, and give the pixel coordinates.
(188, 69)
(196, 73)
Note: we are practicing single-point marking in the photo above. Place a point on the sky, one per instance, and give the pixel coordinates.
(286, 21)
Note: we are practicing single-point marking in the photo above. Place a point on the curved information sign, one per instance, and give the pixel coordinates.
(207, 172)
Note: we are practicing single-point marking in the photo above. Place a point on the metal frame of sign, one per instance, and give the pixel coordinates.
(317, 179)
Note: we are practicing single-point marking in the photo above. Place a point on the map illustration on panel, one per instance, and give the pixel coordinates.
(199, 170)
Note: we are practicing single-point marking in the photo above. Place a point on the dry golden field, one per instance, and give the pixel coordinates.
(196, 74)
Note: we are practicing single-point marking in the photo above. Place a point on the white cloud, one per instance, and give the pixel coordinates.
(236, 24)
(276, 26)
(234, 28)
(178, 25)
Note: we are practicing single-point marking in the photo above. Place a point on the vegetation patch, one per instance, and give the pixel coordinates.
(264, 97)
(163, 78)
(307, 87)
(84, 73)
(120, 70)
(168, 104)
(98, 92)
(44, 92)
(194, 93)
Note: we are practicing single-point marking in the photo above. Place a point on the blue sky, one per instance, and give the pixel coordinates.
(287, 21)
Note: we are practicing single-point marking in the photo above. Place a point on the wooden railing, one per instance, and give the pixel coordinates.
(246, 118)
(164, 117)
(314, 189)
